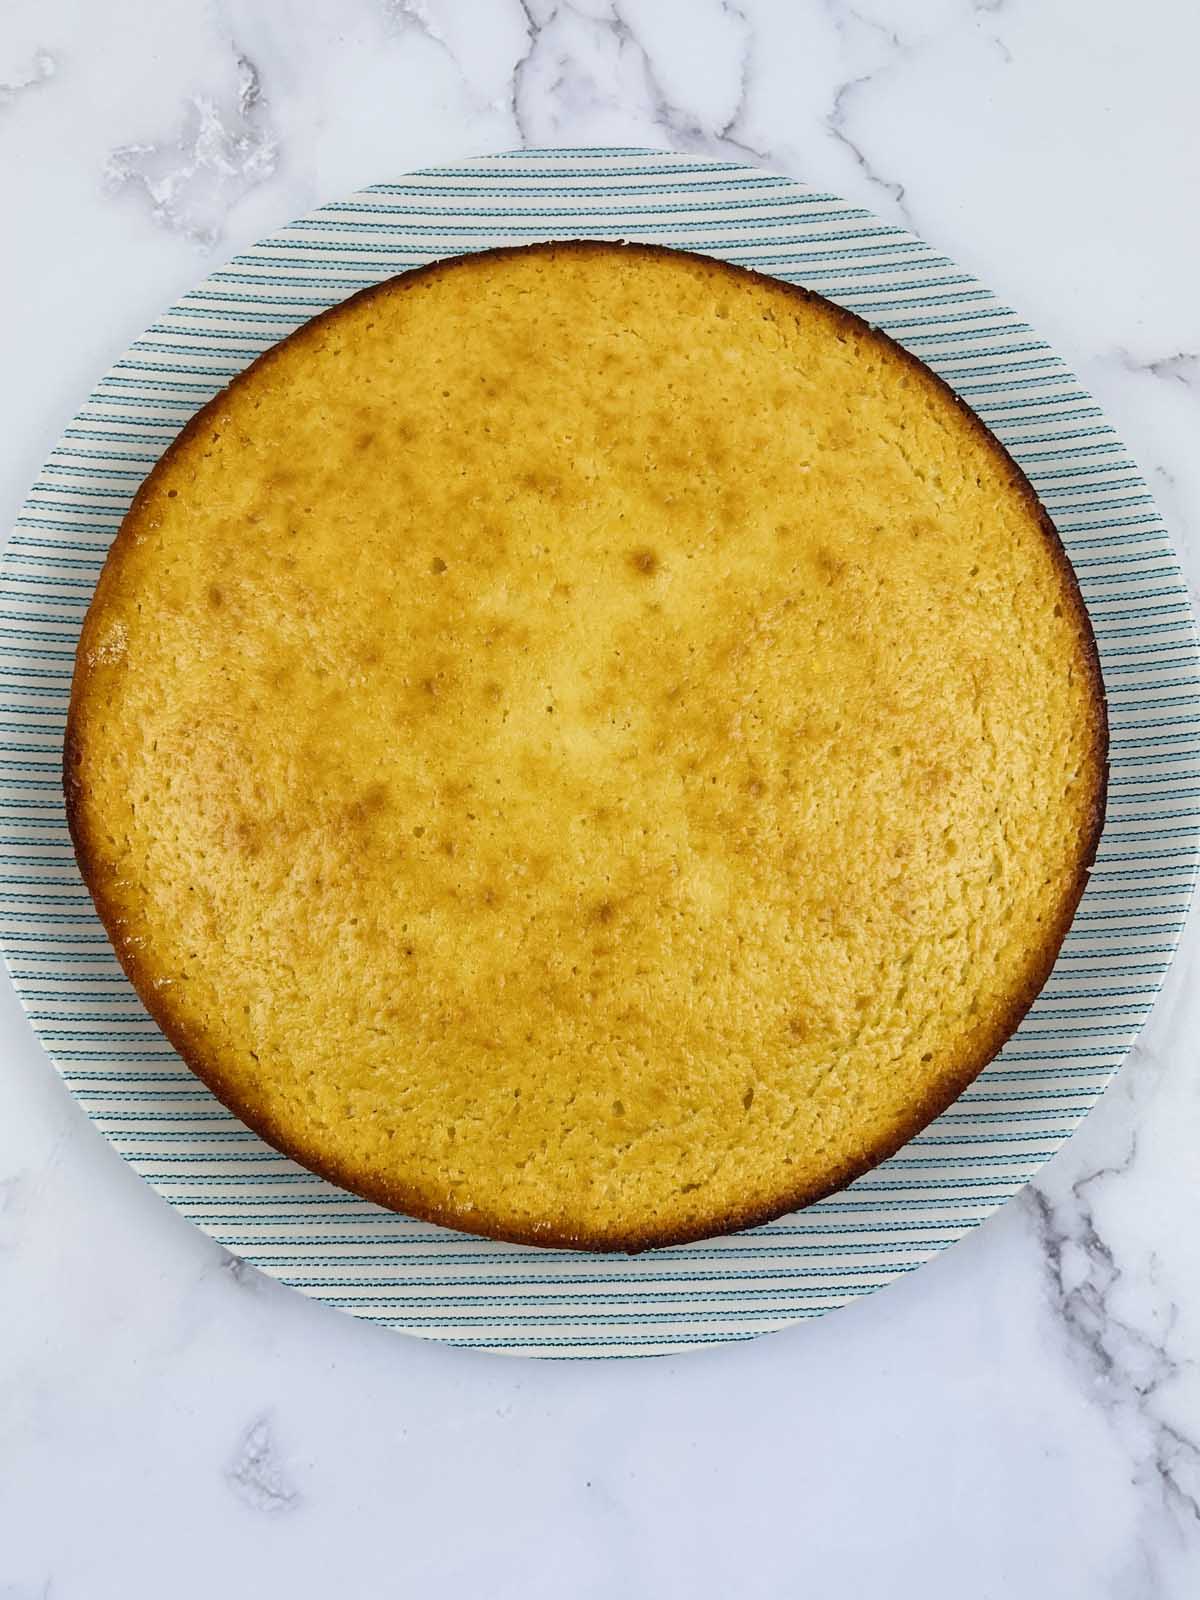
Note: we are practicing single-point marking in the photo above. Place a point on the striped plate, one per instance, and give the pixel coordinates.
(444, 1285)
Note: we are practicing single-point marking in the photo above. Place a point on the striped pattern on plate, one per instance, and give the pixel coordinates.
(427, 1280)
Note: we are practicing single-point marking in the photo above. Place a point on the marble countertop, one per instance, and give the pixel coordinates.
(1019, 1418)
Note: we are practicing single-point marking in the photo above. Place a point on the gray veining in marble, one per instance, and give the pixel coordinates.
(224, 148)
(42, 67)
(257, 1475)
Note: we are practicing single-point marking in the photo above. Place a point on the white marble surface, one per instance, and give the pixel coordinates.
(1022, 1417)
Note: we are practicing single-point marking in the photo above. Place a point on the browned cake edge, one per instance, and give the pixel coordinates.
(558, 1233)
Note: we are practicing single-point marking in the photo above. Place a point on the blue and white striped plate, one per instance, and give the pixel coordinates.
(443, 1285)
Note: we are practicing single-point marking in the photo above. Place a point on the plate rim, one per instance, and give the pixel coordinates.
(601, 165)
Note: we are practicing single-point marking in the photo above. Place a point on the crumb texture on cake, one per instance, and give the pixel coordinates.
(587, 745)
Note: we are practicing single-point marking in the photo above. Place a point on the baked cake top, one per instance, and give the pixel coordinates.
(586, 744)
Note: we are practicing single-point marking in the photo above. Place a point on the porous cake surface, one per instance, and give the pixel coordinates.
(587, 745)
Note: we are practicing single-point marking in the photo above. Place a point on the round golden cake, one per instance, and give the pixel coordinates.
(586, 744)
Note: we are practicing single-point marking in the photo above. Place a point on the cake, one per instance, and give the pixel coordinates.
(587, 745)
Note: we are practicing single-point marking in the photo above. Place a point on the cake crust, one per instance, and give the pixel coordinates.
(573, 1203)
